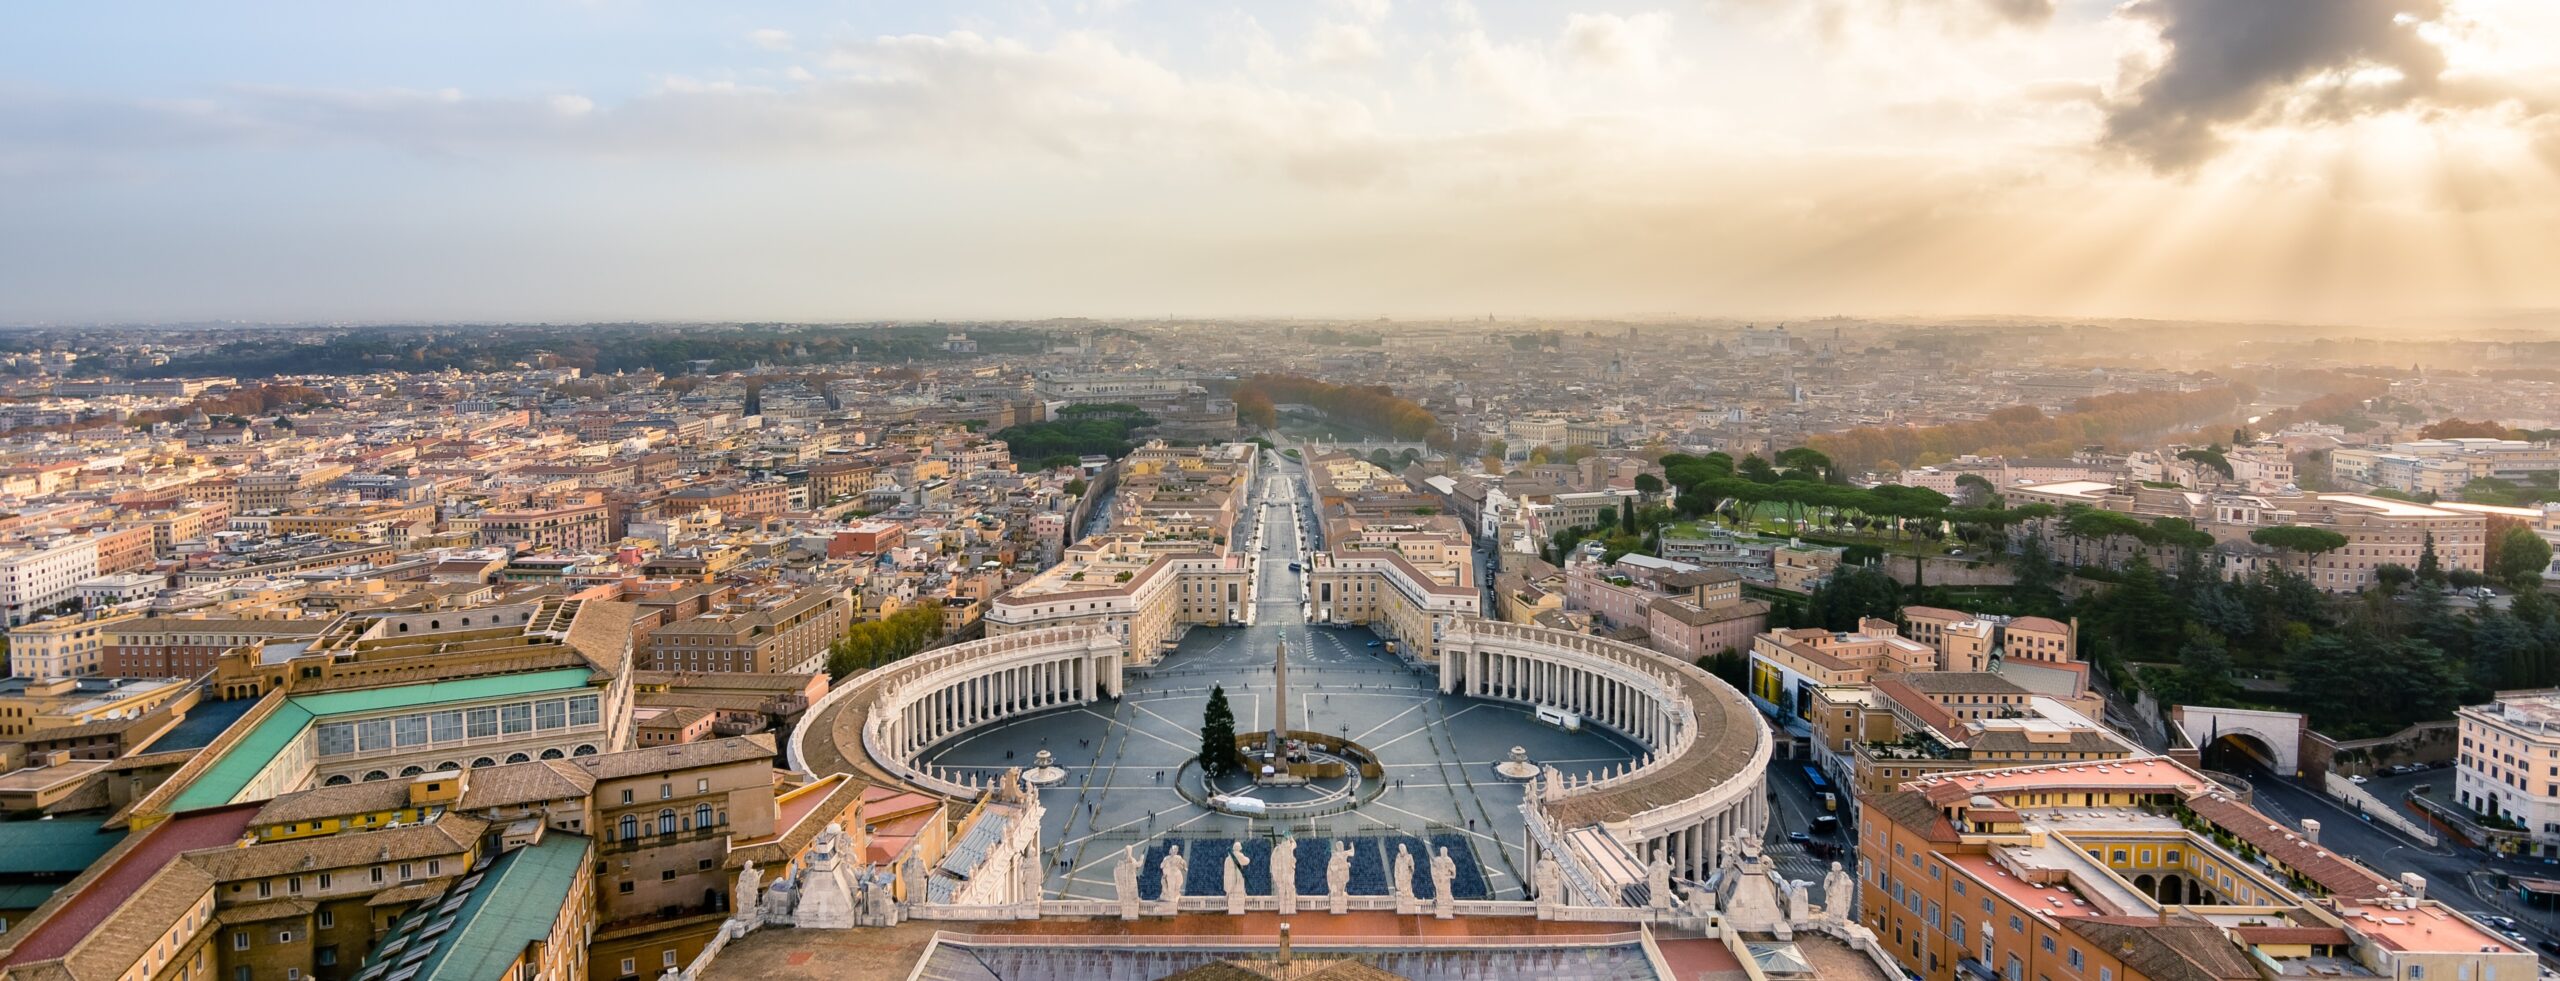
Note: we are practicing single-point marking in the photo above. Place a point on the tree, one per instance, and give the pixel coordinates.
(2204, 668)
(2430, 568)
(2393, 576)
(1627, 515)
(2521, 558)
(1497, 448)
(1853, 593)
(1648, 484)
(1076, 487)
(1975, 489)
(2304, 540)
(2464, 428)
(2211, 457)
(1218, 755)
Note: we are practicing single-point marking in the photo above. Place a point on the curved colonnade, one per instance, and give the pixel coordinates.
(1702, 778)
(877, 723)
(1700, 781)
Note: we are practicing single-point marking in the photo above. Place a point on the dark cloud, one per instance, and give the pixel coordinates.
(2234, 62)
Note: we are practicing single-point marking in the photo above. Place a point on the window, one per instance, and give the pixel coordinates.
(266, 888)
(2047, 945)
(2077, 962)
(407, 872)
(482, 722)
(409, 730)
(284, 936)
(668, 957)
(623, 888)
(328, 919)
(702, 815)
(626, 795)
(667, 821)
(326, 956)
(666, 790)
(630, 967)
(630, 827)
(373, 734)
(447, 726)
(517, 718)
(324, 885)
(239, 939)
(667, 875)
(377, 875)
(337, 739)
(553, 714)
(435, 866)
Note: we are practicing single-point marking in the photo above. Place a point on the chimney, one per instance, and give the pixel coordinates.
(2311, 830)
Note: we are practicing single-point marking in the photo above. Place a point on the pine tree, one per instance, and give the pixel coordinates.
(1218, 735)
(2429, 568)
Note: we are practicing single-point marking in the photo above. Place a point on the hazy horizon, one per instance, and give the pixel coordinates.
(2351, 163)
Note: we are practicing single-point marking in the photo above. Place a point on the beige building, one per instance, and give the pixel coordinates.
(787, 634)
(2378, 531)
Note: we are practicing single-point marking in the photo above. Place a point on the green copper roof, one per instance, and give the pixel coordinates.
(62, 846)
(482, 924)
(222, 782)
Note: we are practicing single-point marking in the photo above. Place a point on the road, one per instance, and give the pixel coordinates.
(2456, 875)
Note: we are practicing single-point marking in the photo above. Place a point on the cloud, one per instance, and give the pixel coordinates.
(2226, 65)
(1342, 44)
(1614, 42)
(770, 39)
(1835, 20)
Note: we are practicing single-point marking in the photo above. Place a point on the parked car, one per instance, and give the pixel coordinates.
(1799, 837)
(2355, 778)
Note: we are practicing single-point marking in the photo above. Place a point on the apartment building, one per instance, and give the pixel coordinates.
(62, 647)
(43, 575)
(1136, 589)
(2138, 870)
(784, 634)
(189, 646)
(561, 528)
(2509, 763)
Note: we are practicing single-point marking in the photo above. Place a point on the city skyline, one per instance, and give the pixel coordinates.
(2373, 161)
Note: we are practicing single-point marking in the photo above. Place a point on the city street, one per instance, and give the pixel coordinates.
(2457, 875)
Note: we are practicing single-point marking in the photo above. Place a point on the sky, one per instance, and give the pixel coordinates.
(2366, 161)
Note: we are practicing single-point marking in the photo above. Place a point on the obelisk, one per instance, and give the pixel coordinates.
(1280, 708)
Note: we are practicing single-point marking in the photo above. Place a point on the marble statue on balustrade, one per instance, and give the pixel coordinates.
(1550, 880)
(749, 893)
(1799, 904)
(1124, 883)
(1174, 872)
(1232, 877)
(1284, 875)
(1444, 879)
(1402, 882)
(1337, 875)
(1657, 881)
(1839, 896)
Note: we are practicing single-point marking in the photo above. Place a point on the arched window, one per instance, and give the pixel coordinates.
(337, 781)
(702, 815)
(404, 628)
(518, 758)
(483, 761)
(630, 827)
(667, 821)
(373, 775)
(584, 749)
(435, 624)
(553, 754)
(411, 771)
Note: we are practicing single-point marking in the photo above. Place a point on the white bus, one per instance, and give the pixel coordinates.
(1559, 718)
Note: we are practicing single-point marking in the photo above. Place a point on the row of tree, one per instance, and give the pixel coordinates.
(873, 643)
(1371, 407)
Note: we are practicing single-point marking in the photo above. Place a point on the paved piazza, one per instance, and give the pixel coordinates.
(1122, 757)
